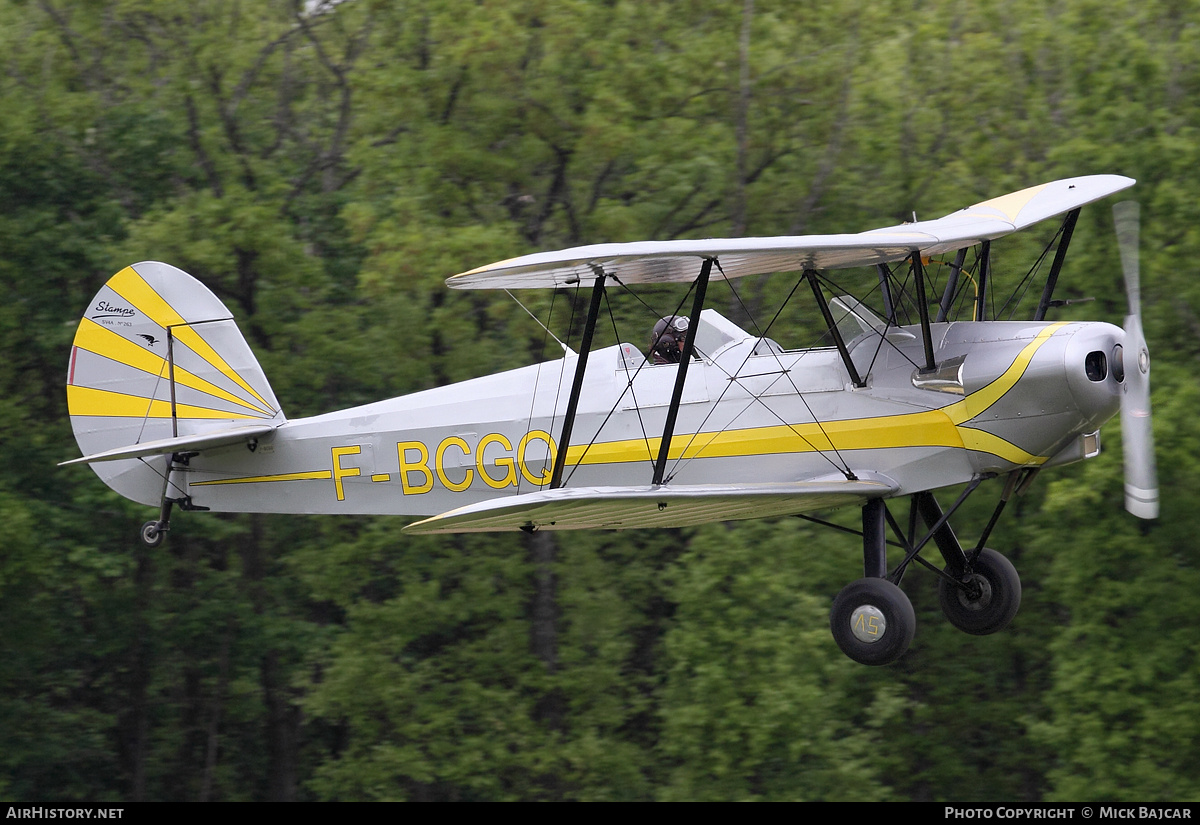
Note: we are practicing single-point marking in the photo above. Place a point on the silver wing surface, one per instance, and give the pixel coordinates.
(619, 508)
(679, 261)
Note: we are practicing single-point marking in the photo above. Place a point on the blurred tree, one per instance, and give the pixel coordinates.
(324, 166)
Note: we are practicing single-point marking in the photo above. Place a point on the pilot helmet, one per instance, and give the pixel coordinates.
(667, 339)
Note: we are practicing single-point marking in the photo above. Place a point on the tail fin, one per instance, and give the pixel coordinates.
(157, 359)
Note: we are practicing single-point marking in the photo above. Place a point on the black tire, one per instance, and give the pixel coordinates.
(152, 535)
(872, 621)
(992, 599)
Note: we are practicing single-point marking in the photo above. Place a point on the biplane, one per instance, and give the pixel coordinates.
(921, 392)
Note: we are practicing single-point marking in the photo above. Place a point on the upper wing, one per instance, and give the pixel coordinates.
(619, 508)
(679, 261)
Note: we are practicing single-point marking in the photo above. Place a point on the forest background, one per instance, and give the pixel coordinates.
(323, 168)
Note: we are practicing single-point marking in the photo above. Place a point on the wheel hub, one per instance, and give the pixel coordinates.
(868, 624)
(976, 592)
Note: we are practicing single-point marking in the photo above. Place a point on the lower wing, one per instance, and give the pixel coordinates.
(619, 508)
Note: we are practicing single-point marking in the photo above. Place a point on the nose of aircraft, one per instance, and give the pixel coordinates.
(1096, 362)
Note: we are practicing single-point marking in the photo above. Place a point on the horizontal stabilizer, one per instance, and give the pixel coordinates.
(183, 443)
(619, 508)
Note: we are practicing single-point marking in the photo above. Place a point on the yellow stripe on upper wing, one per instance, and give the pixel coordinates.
(131, 286)
(108, 344)
(1010, 205)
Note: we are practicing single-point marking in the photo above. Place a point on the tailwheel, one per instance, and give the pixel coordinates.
(986, 598)
(153, 533)
(872, 621)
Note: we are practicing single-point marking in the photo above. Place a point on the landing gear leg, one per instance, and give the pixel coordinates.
(943, 537)
(874, 514)
(980, 593)
(872, 620)
(153, 532)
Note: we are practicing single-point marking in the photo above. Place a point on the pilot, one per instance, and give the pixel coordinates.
(666, 342)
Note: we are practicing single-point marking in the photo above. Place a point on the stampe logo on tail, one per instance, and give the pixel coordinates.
(150, 339)
(106, 310)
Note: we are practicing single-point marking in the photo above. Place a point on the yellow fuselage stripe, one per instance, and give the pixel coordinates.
(314, 474)
(930, 428)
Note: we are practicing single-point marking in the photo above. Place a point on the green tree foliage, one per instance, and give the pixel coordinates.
(324, 166)
(1124, 660)
(757, 705)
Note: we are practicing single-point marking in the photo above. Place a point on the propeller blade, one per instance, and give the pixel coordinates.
(1126, 217)
(1141, 475)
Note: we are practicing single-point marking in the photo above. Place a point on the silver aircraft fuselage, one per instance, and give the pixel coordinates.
(1005, 395)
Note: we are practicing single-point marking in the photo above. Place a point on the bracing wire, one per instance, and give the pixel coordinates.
(1022, 288)
(629, 378)
(628, 387)
(562, 365)
(538, 375)
(784, 372)
(538, 321)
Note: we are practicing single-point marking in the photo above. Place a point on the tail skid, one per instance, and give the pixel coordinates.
(158, 369)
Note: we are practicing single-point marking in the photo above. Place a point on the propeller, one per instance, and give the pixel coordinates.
(1141, 477)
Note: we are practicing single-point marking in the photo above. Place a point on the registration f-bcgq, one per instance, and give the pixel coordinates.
(170, 407)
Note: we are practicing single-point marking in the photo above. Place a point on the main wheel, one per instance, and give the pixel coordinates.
(872, 621)
(989, 598)
(152, 534)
